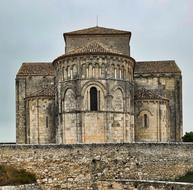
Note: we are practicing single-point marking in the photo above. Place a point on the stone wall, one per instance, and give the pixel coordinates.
(21, 187)
(40, 123)
(170, 85)
(156, 127)
(25, 86)
(117, 42)
(142, 185)
(80, 166)
(113, 118)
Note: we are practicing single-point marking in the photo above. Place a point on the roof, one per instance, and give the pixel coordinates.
(144, 94)
(48, 91)
(156, 67)
(40, 68)
(97, 30)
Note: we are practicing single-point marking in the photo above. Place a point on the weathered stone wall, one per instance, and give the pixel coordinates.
(80, 166)
(117, 42)
(142, 185)
(25, 86)
(40, 120)
(112, 77)
(21, 187)
(156, 126)
(170, 85)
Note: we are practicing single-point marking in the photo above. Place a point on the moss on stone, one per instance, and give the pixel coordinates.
(12, 176)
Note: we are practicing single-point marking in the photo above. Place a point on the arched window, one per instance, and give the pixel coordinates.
(93, 99)
(145, 120)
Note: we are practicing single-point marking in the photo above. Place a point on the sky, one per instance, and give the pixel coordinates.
(32, 30)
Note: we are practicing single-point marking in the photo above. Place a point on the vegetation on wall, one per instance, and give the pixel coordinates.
(188, 178)
(11, 176)
(188, 137)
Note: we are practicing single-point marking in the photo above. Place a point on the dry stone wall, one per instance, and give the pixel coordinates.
(81, 166)
(22, 187)
(142, 185)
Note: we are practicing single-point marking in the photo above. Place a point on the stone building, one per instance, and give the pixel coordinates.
(97, 93)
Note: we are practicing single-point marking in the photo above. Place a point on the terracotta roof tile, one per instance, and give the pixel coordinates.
(144, 94)
(36, 69)
(156, 67)
(48, 91)
(97, 30)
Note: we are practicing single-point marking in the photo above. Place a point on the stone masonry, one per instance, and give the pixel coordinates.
(97, 93)
(93, 166)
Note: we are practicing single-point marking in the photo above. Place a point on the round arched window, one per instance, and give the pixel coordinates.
(93, 99)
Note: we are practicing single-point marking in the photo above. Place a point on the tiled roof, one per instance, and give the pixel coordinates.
(144, 94)
(97, 30)
(36, 69)
(48, 91)
(156, 67)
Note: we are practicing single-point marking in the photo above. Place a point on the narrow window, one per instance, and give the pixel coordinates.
(145, 120)
(93, 99)
(47, 122)
(115, 73)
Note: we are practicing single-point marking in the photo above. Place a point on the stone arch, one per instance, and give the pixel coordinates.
(120, 88)
(118, 100)
(69, 100)
(94, 83)
(144, 118)
(144, 111)
(86, 96)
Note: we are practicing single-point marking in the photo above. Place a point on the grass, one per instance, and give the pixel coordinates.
(188, 178)
(11, 176)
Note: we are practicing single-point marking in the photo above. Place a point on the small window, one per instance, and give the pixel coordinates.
(93, 99)
(47, 123)
(145, 120)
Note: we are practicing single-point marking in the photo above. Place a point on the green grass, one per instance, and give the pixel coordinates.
(188, 178)
(11, 176)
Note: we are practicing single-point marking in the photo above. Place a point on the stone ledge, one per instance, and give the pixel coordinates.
(21, 187)
(120, 184)
(81, 145)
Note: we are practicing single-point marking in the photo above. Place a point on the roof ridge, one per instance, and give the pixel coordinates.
(36, 68)
(97, 30)
(165, 66)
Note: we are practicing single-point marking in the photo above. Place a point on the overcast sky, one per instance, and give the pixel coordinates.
(31, 30)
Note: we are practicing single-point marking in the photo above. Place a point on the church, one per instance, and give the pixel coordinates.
(95, 92)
